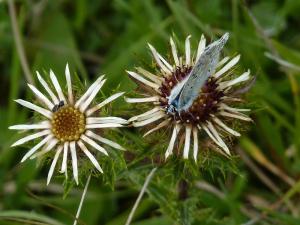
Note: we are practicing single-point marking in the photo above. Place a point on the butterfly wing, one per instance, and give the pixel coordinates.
(204, 68)
(176, 91)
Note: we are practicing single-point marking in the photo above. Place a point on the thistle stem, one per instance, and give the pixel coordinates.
(82, 199)
(139, 198)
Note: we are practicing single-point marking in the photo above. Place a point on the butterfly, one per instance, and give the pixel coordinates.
(184, 93)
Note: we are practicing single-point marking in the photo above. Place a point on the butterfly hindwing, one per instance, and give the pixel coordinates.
(203, 69)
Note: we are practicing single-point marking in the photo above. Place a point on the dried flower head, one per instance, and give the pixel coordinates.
(208, 111)
(69, 125)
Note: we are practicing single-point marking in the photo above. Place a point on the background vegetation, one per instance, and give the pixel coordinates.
(258, 186)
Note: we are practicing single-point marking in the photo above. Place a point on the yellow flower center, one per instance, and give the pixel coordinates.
(68, 124)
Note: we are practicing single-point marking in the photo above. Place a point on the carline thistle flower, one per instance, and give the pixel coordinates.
(208, 112)
(69, 125)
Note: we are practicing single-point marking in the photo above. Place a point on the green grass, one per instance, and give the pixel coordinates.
(259, 185)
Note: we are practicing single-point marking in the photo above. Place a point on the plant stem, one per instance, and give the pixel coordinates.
(139, 198)
(18, 42)
(82, 199)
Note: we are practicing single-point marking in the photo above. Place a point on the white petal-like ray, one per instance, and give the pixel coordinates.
(88, 92)
(49, 146)
(174, 52)
(228, 66)
(201, 47)
(42, 125)
(245, 76)
(195, 143)
(187, 142)
(157, 58)
(104, 140)
(90, 156)
(69, 85)
(34, 107)
(93, 144)
(31, 137)
(110, 119)
(106, 101)
(143, 80)
(141, 100)
(57, 86)
(168, 65)
(180, 61)
(41, 96)
(188, 51)
(88, 101)
(217, 136)
(149, 116)
(170, 148)
(74, 161)
(53, 164)
(231, 99)
(225, 127)
(223, 61)
(36, 147)
(145, 115)
(237, 116)
(162, 59)
(103, 125)
(158, 80)
(65, 158)
(205, 128)
(162, 124)
(151, 120)
(47, 88)
(226, 107)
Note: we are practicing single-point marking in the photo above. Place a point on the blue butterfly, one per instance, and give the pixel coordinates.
(184, 93)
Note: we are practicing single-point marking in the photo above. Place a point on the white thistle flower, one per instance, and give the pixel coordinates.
(207, 112)
(69, 124)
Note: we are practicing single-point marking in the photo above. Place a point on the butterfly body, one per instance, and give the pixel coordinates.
(186, 91)
(173, 99)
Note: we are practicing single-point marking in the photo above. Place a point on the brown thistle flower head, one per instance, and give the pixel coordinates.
(208, 111)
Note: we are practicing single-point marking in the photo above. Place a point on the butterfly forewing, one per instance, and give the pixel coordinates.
(203, 69)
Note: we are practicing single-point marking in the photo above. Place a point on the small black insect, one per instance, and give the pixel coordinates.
(58, 106)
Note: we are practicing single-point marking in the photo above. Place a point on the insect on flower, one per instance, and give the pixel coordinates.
(68, 126)
(194, 94)
(58, 106)
(186, 91)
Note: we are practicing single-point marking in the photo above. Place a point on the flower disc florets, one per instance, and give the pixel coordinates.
(202, 107)
(68, 123)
